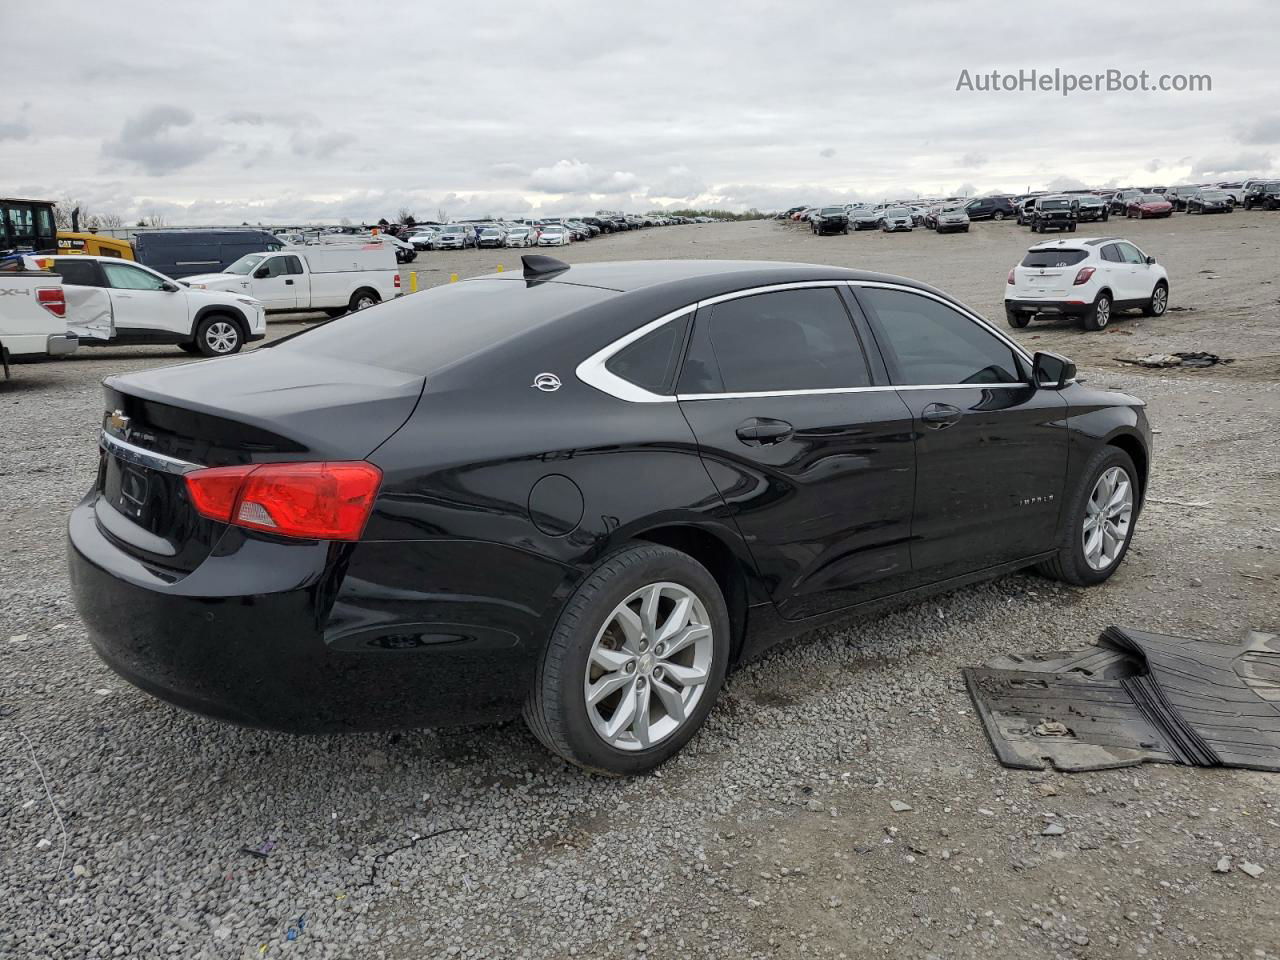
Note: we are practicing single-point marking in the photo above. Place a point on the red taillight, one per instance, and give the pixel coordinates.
(53, 300)
(315, 501)
(397, 281)
(1011, 269)
(1083, 275)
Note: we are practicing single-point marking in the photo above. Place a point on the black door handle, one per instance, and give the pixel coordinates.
(939, 416)
(758, 431)
(288, 283)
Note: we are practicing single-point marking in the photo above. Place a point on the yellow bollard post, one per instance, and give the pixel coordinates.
(453, 278)
(499, 268)
(413, 281)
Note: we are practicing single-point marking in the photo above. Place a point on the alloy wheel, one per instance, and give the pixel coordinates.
(221, 337)
(1159, 300)
(648, 666)
(1102, 312)
(1107, 516)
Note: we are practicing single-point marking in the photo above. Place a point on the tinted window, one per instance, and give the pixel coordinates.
(294, 265)
(1111, 254)
(434, 329)
(121, 276)
(1053, 258)
(932, 343)
(78, 273)
(651, 361)
(789, 340)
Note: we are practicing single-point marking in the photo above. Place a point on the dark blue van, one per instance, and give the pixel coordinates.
(184, 253)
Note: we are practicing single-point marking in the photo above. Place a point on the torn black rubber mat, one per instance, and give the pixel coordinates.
(1135, 697)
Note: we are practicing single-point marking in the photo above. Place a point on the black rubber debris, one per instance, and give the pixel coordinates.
(1135, 697)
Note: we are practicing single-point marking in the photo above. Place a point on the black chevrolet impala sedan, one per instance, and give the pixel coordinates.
(579, 493)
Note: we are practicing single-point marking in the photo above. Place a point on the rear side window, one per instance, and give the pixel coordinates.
(1111, 254)
(927, 342)
(651, 362)
(788, 340)
(1053, 258)
(78, 273)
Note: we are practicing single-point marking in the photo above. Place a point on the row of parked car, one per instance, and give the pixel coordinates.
(551, 232)
(1039, 211)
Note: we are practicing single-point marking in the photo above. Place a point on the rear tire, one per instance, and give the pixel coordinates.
(191, 348)
(218, 336)
(1099, 314)
(1071, 564)
(998, 216)
(1016, 318)
(557, 712)
(363, 299)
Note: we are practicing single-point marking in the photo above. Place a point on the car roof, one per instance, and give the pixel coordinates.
(699, 279)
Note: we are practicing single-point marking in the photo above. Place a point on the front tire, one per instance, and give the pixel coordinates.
(634, 663)
(997, 216)
(1159, 301)
(218, 336)
(1100, 521)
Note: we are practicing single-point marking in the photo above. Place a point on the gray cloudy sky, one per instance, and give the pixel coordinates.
(291, 112)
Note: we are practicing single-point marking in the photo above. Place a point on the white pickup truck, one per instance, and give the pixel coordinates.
(33, 313)
(334, 279)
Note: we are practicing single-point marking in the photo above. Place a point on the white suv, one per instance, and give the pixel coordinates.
(110, 300)
(1089, 279)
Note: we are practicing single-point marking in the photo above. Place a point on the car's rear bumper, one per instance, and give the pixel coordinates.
(1054, 307)
(309, 637)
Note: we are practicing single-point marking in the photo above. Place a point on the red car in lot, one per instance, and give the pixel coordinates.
(1148, 205)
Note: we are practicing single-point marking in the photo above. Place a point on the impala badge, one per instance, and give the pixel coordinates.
(546, 382)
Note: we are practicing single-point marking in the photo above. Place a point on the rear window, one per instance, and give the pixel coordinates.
(1053, 258)
(429, 331)
(1054, 204)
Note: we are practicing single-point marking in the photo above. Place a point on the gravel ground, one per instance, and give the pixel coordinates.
(779, 832)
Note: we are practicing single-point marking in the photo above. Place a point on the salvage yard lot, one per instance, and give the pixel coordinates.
(773, 834)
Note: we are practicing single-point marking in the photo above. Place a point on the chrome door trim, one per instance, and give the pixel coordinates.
(592, 370)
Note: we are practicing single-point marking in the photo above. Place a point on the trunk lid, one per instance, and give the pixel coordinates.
(265, 406)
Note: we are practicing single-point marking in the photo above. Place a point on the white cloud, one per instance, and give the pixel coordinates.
(574, 176)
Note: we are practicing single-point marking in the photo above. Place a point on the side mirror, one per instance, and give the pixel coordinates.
(1052, 371)
(169, 287)
(261, 273)
(1151, 259)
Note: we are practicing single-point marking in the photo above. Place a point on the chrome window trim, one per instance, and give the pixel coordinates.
(592, 371)
(130, 453)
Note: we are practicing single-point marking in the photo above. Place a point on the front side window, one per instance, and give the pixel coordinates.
(1130, 254)
(786, 340)
(928, 342)
(121, 276)
(276, 267)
